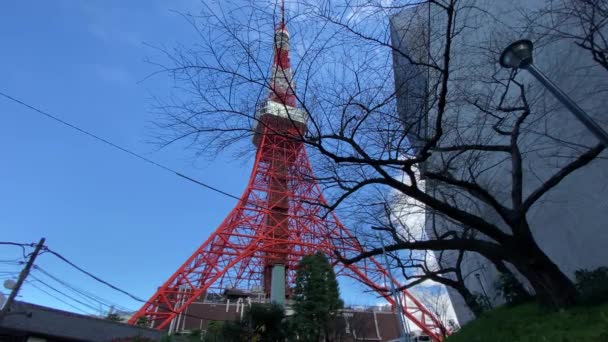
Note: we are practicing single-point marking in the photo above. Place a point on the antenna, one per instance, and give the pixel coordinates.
(283, 12)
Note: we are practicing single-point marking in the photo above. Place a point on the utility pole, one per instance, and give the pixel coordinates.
(21, 279)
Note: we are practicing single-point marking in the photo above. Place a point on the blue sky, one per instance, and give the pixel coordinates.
(122, 219)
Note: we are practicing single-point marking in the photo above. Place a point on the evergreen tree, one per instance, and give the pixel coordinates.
(317, 298)
(262, 323)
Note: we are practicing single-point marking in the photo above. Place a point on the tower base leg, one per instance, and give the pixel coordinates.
(277, 287)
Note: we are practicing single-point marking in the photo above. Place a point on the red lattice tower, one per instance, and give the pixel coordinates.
(275, 222)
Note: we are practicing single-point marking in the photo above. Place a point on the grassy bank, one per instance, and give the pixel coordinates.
(528, 322)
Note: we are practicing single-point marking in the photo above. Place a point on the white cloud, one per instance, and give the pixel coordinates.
(437, 300)
(409, 215)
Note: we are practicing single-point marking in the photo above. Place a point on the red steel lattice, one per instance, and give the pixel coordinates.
(277, 220)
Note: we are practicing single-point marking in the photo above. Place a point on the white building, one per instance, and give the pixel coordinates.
(570, 222)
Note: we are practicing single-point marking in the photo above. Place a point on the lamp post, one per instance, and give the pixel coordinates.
(483, 289)
(520, 55)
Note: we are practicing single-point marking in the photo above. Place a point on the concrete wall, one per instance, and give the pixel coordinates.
(569, 223)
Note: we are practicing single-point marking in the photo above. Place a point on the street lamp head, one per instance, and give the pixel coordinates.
(517, 55)
(9, 284)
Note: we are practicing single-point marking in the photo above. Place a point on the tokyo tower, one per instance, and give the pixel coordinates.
(275, 222)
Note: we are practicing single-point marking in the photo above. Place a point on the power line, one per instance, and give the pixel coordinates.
(22, 245)
(11, 263)
(106, 283)
(58, 255)
(118, 147)
(57, 298)
(64, 294)
(73, 289)
(14, 261)
(93, 276)
(64, 259)
(17, 244)
(82, 293)
(96, 278)
(92, 297)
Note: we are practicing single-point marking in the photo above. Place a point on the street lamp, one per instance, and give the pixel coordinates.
(483, 289)
(520, 55)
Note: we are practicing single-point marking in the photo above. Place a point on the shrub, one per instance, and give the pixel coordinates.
(592, 285)
(114, 317)
(511, 289)
(142, 322)
(481, 303)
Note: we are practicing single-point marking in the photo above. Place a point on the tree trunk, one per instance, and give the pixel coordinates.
(553, 288)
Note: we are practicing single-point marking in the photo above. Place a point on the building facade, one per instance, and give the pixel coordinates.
(569, 223)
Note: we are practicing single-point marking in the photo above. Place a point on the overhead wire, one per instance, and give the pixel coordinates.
(78, 292)
(64, 259)
(7, 271)
(118, 147)
(82, 293)
(64, 294)
(12, 263)
(108, 284)
(56, 297)
(16, 260)
(17, 244)
(46, 249)
(90, 299)
(97, 299)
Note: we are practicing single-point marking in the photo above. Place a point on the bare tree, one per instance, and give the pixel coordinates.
(472, 136)
(437, 299)
(584, 22)
(443, 267)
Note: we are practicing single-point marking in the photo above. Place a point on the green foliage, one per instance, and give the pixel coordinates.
(196, 335)
(592, 286)
(114, 317)
(192, 336)
(317, 297)
(261, 323)
(511, 289)
(225, 331)
(530, 323)
(479, 304)
(267, 322)
(142, 322)
(215, 332)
